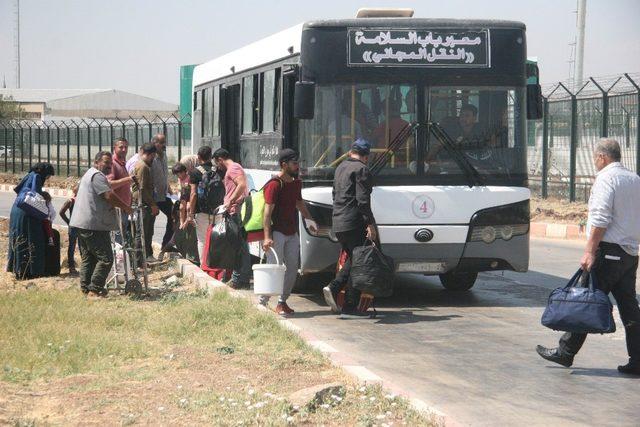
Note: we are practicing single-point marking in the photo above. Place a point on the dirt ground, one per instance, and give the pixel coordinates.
(558, 211)
(8, 281)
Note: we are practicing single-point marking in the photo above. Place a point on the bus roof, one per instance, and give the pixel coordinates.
(275, 47)
(287, 42)
(417, 22)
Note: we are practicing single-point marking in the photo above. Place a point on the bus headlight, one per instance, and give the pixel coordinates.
(489, 233)
(500, 222)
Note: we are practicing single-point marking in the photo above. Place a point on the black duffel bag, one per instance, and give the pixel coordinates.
(224, 243)
(372, 271)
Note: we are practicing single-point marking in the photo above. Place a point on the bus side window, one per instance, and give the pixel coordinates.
(269, 102)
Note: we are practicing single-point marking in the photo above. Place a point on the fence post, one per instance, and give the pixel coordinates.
(6, 147)
(135, 133)
(545, 147)
(30, 148)
(99, 135)
(88, 144)
(13, 166)
(78, 149)
(179, 139)
(48, 142)
(57, 148)
(637, 122)
(68, 148)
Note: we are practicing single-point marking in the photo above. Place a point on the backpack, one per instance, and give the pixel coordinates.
(211, 191)
(252, 209)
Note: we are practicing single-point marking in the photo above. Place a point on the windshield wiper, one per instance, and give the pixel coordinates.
(472, 174)
(396, 143)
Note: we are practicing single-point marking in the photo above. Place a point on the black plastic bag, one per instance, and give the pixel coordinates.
(372, 271)
(224, 243)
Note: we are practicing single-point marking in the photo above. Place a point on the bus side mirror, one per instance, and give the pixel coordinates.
(534, 102)
(534, 92)
(304, 100)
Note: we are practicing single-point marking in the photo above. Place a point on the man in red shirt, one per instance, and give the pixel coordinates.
(283, 200)
(120, 180)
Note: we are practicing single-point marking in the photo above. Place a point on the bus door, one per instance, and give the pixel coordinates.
(288, 121)
(232, 121)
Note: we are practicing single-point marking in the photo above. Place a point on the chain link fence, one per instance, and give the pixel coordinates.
(561, 144)
(70, 145)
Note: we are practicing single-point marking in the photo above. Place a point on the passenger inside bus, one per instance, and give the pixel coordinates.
(392, 126)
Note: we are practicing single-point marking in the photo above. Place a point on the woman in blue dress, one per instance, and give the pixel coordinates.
(26, 234)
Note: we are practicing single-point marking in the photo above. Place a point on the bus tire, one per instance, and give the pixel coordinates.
(458, 281)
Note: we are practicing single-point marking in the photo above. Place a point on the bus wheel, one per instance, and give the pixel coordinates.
(458, 281)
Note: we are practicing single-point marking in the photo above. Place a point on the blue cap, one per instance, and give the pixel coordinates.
(361, 146)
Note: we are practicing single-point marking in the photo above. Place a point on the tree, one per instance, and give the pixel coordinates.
(9, 109)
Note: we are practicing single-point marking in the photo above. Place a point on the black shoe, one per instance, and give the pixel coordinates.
(629, 369)
(354, 314)
(553, 355)
(330, 297)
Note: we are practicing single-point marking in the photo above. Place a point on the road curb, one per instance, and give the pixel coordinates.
(361, 373)
(558, 231)
(55, 192)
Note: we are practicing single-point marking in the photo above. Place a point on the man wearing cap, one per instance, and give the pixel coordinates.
(353, 221)
(283, 200)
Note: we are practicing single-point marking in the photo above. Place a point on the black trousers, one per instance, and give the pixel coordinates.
(349, 240)
(166, 208)
(616, 273)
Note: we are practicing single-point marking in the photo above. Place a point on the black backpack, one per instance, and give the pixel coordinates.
(210, 190)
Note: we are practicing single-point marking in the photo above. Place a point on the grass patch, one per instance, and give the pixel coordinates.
(49, 333)
(184, 359)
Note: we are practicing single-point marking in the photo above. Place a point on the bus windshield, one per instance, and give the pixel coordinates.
(486, 124)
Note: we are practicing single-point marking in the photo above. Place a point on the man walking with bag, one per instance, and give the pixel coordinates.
(283, 200)
(611, 251)
(353, 222)
(236, 189)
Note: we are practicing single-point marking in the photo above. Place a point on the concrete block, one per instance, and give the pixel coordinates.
(557, 230)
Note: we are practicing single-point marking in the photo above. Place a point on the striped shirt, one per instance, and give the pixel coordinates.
(615, 205)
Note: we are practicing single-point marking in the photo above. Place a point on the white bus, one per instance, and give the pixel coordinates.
(450, 199)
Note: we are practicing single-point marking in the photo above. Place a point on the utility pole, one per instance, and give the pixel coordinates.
(16, 41)
(580, 24)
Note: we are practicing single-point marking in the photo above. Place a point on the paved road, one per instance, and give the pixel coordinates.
(472, 354)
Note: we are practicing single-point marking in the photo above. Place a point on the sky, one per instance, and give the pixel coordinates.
(139, 45)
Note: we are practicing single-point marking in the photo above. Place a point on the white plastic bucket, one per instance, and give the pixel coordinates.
(268, 279)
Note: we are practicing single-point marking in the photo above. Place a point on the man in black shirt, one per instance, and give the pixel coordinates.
(353, 221)
(201, 216)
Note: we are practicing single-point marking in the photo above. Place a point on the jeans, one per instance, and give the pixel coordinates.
(97, 259)
(166, 208)
(349, 241)
(618, 276)
(288, 250)
(242, 272)
(149, 221)
(71, 251)
(124, 219)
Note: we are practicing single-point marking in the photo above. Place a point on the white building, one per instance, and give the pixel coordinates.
(39, 104)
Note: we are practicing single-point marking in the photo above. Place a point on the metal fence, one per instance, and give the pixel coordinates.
(71, 144)
(561, 144)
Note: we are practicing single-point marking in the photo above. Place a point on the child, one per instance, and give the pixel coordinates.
(73, 232)
(52, 253)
